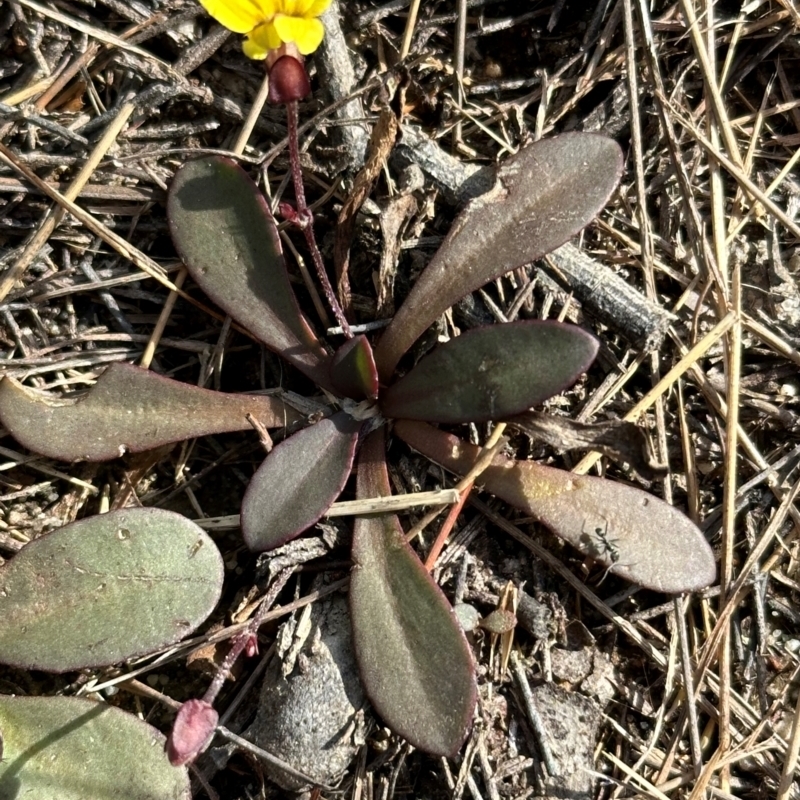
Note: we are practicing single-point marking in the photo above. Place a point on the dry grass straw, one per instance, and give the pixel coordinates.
(705, 225)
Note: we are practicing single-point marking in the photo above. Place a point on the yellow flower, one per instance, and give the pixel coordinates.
(270, 23)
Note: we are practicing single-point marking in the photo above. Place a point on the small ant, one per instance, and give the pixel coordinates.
(608, 546)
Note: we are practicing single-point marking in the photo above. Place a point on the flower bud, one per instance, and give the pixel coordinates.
(288, 80)
(192, 731)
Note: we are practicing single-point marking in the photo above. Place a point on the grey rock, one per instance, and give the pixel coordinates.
(312, 710)
(467, 615)
(535, 617)
(572, 723)
(572, 666)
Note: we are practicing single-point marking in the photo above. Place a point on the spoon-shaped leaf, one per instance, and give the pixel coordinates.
(543, 196)
(298, 482)
(128, 409)
(415, 664)
(225, 233)
(636, 535)
(353, 372)
(70, 748)
(106, 589)
(492, 372)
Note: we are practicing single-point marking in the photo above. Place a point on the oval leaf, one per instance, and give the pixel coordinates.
(415, 663)
(70, 748)
(225, 233)
(636, 535)
(106, 589)
(298, 482)
(543, 196)
(128, 409)
(492, 372)
(353, 372)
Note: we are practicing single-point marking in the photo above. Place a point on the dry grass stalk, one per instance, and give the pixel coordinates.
(705, 228)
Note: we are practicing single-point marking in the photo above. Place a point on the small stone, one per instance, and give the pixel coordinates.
(534, 616)
(571, 723)
(572, 666)
(314, 718)
(467, 615)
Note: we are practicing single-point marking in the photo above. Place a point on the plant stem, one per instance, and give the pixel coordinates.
(240, 642)
(306, 218)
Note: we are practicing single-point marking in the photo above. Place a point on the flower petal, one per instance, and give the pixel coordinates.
(254, 50)
(239, 16)
(305, 33)
(260, 41)
(269, 8)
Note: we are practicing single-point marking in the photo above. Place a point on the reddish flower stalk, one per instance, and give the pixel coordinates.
(305, 218)
(447, 527)
(245, 638)
(197, 720)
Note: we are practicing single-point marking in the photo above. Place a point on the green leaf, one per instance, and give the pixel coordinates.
(492, 372)
(353, 372)
(128, 409)
(543, 196)
(106, 589)
(415, 663)
(298, 482)
(225, 233)
(70, 748)
(639, 537)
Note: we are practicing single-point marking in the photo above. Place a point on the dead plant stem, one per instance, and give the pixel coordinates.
(790, 761)
(463, 487)
(255, 111)
(56, 214)
(411, 24)
(693, 355)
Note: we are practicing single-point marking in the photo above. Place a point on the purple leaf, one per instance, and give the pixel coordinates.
(415, 664)
(492, 372)
(543, 196)
(106, 589)
(128, 409)
(634, 534)
(353, 372)
(225, 233)
(298, 482)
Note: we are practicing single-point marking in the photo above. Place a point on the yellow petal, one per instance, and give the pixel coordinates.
(313, 8)
(239, 16)
(305, 33)
(265, 38)
(253, 50)
(268, 8)
(288, 7)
